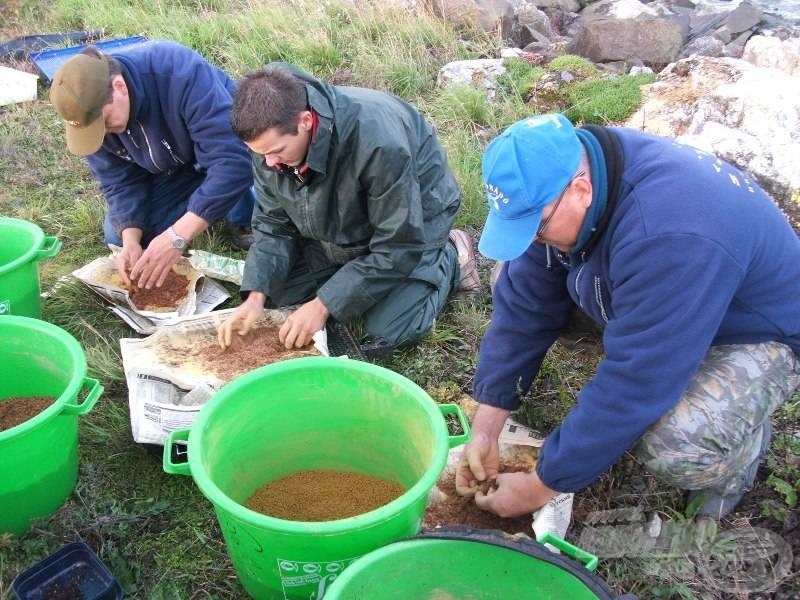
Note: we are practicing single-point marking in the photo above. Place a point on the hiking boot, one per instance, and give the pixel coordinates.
(716, 504)
(242, 236)
(469, 281)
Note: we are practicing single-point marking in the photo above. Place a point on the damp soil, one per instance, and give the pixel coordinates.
(63, 590)
(461, 510)
(258, 348)
(16, 410)
(166, 298)
(323, 495)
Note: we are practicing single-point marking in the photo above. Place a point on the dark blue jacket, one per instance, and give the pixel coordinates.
(180, 119)
(695, 254)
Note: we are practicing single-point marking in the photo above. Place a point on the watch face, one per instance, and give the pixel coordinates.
(179, 243)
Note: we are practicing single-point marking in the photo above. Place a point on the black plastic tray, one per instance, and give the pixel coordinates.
(341, 342)
(74, 571)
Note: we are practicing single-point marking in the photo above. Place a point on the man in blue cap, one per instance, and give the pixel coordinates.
(692, 272)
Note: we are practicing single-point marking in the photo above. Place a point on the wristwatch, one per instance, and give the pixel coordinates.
(178, 242)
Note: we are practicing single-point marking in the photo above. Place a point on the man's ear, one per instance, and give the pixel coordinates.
(583, 188)
(305, 121)
(118, 83)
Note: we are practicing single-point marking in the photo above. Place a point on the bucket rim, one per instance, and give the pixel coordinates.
(28, 255)
(488, 537)
(73, 387)
(221, 500)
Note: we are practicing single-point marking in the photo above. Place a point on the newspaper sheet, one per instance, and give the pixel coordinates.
(219, 267)
(168, 384)
(102, 277)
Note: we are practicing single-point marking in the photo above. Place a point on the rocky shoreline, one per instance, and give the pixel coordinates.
(727, 82)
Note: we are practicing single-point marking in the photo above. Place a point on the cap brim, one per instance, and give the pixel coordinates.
(84, 141)
(506, 239)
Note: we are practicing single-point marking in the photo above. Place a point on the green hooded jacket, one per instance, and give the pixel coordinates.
(378, 199)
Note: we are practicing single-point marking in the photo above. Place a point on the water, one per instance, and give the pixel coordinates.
(786, 9)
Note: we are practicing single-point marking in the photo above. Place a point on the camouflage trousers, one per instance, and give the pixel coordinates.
(715, 430)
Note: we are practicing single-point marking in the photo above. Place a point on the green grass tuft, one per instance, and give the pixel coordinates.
(605, 101)
(576, 65)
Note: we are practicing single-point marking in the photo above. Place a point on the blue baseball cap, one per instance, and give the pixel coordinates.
(524, 169)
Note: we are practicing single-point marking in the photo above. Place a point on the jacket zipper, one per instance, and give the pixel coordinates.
(577, 278)
(171, 153)
(149, 149)
(599, 298)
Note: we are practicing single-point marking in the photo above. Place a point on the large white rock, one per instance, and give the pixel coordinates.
(745, 114)
(481, 74)
(770, 51)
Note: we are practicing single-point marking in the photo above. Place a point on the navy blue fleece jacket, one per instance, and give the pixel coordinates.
(695, 254)
(180, 119)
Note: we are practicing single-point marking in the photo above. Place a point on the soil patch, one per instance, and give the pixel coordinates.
(258, 348)
(460, 510)
(323, 495)
(166, 298)
(14, 411)
(63, 590)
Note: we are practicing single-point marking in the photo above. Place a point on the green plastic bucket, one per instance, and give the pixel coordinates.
(470, 564)
(313, 414)
(39, 458)
(22, 246)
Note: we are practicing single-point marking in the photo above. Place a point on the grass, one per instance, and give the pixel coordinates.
(157, 532)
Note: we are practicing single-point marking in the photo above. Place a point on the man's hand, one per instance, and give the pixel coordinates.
(303, 323)
(515, 494)
(155, 263)
(126, 259)
(481, 457)
(479, 462)
(241, 319)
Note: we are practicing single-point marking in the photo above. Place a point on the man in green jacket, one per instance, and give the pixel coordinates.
(354, 204)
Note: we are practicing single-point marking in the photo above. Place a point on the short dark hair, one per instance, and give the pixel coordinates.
(268, 99)
(114, 68)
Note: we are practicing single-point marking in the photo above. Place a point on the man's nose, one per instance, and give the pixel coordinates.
(271, 160)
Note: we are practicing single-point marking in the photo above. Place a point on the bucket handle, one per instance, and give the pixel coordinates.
(455, 409)
(94, 390)
(176, 459)
(582, 556)
(50, 247)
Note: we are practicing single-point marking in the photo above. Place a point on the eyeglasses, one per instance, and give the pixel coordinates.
(545, 222)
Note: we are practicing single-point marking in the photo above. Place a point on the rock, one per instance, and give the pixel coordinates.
(521, 22)
(510, 52)
(530, 25)
(736, 47)
(769, 51)
(654, 41)
(481, 14)
(747, 115)
(743, 17)
(617, 67)
(619, 9)
(481, 74)
(562, 5)
(637, 70)
(704, 46)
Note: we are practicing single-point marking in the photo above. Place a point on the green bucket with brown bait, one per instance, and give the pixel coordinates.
(313, 414)
(22, 246)
(39, 457)
(462, 563)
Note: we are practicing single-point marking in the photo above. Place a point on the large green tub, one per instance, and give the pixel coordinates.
(39, 458)
(313, 414)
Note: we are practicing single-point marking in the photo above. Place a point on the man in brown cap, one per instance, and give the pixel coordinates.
(153, 122)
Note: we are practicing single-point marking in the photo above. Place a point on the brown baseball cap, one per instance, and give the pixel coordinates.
(78, 93)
